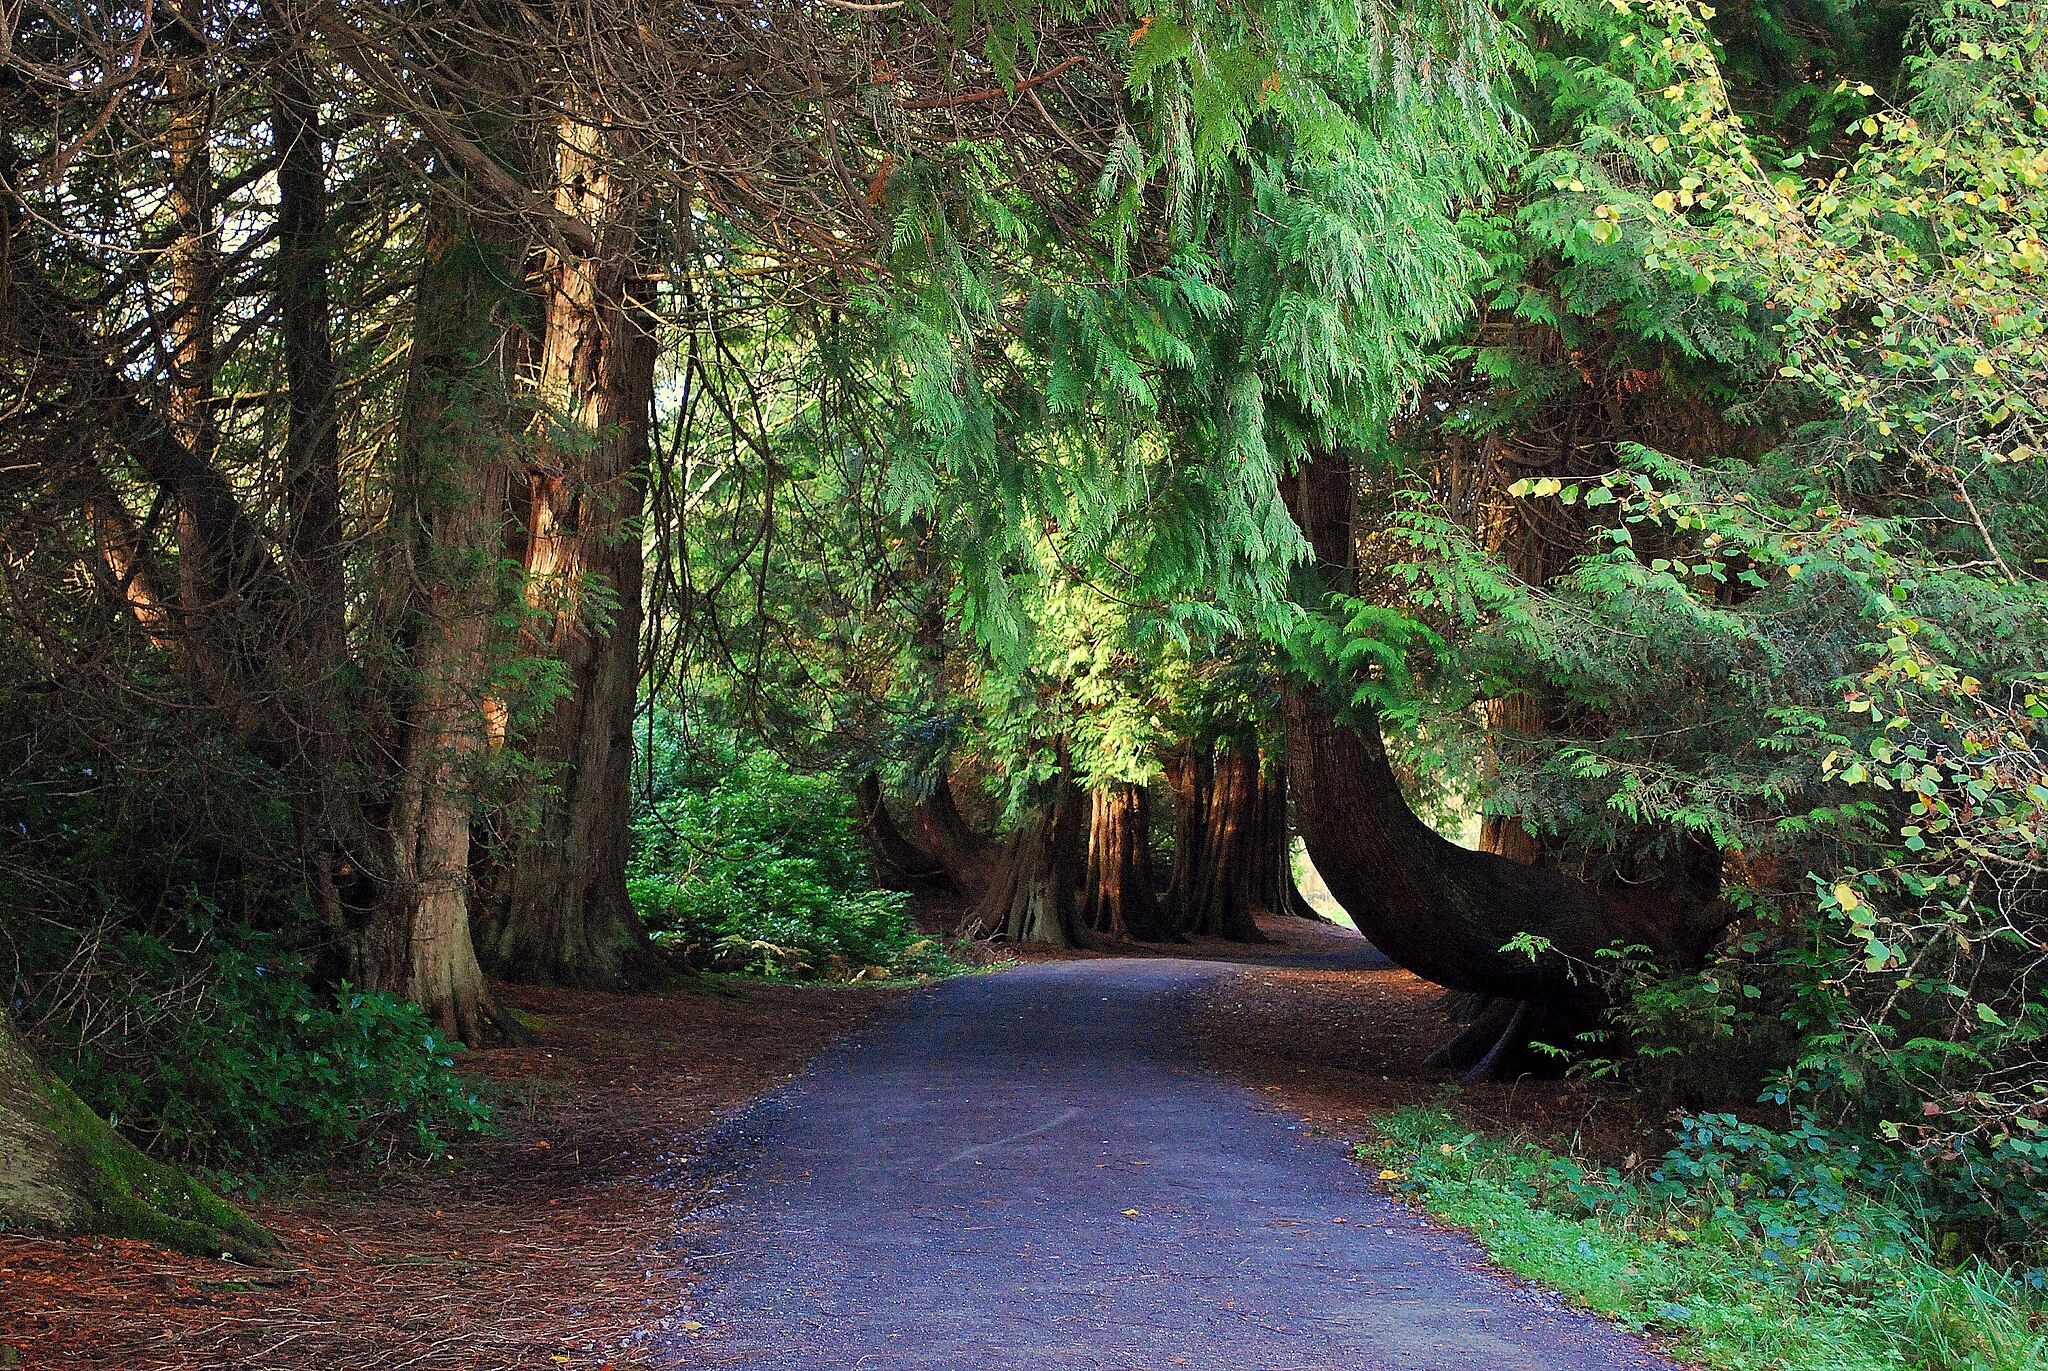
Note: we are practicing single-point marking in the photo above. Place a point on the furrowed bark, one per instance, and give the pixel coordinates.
(1118, 895)
(1033, 897)
(564, 917)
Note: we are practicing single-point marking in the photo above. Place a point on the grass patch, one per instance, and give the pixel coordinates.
(1738, 1268)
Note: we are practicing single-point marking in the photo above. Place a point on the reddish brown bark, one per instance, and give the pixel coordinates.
(1118, 895)
(939, 828)
(885, 838)
(1034, 894)
(562, 915)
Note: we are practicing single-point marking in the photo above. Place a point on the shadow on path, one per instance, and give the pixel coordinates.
(1021, 1171)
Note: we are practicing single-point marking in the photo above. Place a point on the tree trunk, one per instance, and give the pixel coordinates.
(1505, 834)
(1273, 887)
(1190, 778)
(968, 859)
(1232, 853)
(1033, 897)
(453, 506)
(885, 839)
(1119, 899)
(63, 1168)
(194, 262)
(1443, 912)
(564, 917)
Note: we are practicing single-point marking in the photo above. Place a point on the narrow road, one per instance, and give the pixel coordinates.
(1020, 1171)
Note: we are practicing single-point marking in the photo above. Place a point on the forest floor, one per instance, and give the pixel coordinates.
(553, 1246)
(568, 1241)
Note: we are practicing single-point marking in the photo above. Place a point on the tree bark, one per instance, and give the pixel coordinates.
(63, 1168)
(1221, 903)
(453, 503)
(1119, 899)
(885, 839)
(1273, 887)
(564, 917)
(1190, 778)
(1033, 897)
(968, 859)
(1443, 912)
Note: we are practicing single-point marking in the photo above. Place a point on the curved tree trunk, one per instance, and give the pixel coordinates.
(63, 1168)
(968, 859)
(1119, 899)
(1034, 896)
(885, 839)
(562, 916)
(1443, 912)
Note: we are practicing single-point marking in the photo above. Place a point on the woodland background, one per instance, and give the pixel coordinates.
(585, 494)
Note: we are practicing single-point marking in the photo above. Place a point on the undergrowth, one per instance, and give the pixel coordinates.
(1750, 1249)
(743, 864)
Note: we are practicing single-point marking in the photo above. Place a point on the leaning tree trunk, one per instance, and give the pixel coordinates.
(1118, 897)
(63, 1168)
(1034, 894)
(892, 848)
(968, 859)
(1443, 912)
(563, 916)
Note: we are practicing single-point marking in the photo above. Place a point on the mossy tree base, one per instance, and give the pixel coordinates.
(63, 1168)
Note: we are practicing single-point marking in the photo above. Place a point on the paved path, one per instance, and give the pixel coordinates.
(1019, 1171)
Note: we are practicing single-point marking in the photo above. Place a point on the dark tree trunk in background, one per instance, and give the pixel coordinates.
(968, 859)
(62, 1168)
(1221, 847)
(563, 916)
(1034, 896)
(885, 839)
(1190, 777)
(1273, 888)
(1119, 898)
(1439, 910)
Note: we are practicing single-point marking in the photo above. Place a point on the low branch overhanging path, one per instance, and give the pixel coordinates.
(1024, 1170)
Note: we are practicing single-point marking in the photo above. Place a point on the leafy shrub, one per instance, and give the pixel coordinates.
(251, 1065)
(1788, 1250)
(758, 868)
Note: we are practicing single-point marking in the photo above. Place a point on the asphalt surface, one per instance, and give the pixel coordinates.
(1020, 1170)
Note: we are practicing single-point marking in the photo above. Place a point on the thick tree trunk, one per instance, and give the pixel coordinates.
(1233, 855)
(968, 859)
(1443, 912)
(1221, 844)
(564, 916)
(454, 506)
(885, 839)
(1273, 888)
(63, 1168)
(1119, 899)
(1034, 896)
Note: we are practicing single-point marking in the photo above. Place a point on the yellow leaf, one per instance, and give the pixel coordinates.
(1846, 897)
(1665, 201)
(1130, 1213)
(1984, 367)
(1390, 1175)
